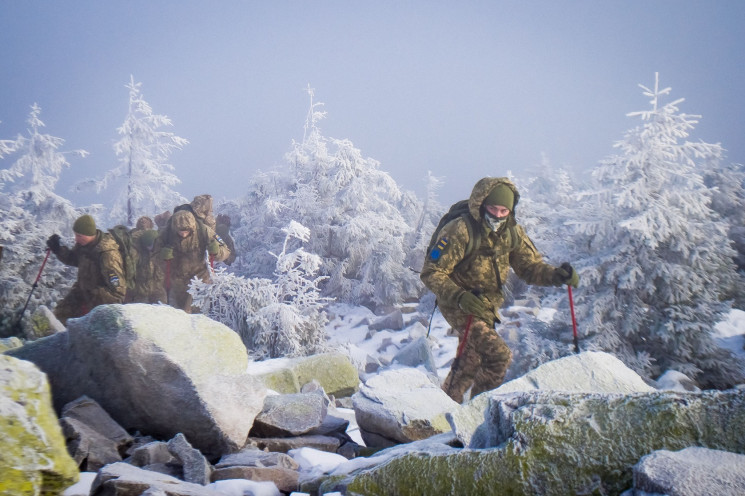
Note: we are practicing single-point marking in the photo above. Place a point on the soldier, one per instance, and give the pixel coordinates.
(223, 230)
(100, 269)
(470, 294)
(143, 224)
(149, 276)
(183, 243)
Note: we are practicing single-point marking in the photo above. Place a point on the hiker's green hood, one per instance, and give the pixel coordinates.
(482, 189)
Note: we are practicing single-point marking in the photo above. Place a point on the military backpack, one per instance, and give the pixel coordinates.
(128, 252)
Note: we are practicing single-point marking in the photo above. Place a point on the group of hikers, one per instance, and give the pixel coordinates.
(152, 263)
(466, 265)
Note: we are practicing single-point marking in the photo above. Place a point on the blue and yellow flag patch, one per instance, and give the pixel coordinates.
(436, 252)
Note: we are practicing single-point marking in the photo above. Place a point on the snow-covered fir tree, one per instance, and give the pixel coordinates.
(281, 316)
(728, 200)
(352, 208)
(30, 211)
(651, 288)
(144, 178)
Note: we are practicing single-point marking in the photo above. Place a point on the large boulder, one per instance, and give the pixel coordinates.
(588, 372)
(399, 406)
(564, 443)
(33, 456)
(155, 369)
(335, 373)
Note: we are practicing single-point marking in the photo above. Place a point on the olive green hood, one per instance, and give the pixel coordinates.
(482, 189)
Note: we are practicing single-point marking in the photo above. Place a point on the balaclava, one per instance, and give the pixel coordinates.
(502, 195)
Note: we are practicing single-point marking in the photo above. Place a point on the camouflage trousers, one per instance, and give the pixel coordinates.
(483, 361)
(74, 304)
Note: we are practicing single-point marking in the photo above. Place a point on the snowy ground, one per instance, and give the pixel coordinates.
(349, 329)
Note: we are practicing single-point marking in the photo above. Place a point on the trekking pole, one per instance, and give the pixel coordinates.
(574, 319)
(33, 286)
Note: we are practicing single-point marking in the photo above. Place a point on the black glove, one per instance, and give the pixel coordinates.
(473, 305)
(53, 243)
(565, 274)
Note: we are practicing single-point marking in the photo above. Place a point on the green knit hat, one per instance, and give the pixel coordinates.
(501, 195)
(85, 225)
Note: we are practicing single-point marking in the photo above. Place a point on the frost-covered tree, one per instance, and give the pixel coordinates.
(353, 208)
(144, 178)
(30, 211)
(728, 200)
(659, 255)
(281, 316)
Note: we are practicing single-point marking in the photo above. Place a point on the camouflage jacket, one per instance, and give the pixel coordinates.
(100, 269)
(189, 254)
(489, 269)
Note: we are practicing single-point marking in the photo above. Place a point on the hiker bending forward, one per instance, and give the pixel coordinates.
(100, 269)
(469, 288)
(184, 244)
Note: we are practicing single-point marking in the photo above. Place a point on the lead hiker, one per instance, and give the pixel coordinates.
(466, 267)
(100, 269)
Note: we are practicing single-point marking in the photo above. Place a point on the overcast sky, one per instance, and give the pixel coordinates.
(464, 89)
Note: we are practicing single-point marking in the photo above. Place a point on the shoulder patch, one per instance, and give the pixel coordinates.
(114, 280)
(436, 252)
(219, 239)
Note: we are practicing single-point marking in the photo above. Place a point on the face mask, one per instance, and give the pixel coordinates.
(494, 222)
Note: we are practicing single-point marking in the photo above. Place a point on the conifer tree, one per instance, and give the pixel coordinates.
(659, 256)
(144, 178)
(352, 208)
(30, 211)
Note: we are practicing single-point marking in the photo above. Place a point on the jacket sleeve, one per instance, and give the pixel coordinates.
(68, 256)
(437, 271)
(223, 252)
(112, 273)
(528, 263)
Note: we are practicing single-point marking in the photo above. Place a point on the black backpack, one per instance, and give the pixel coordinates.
(460, 209)
(128, 252)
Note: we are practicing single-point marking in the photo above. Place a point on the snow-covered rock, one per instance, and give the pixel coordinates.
(691, 472)
(583, 372)
(33, 457)
(122, 479)
(155, 369)
(401, 405)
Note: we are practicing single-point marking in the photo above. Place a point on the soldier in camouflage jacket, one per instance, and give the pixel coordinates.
(100, 269)
(470, 295)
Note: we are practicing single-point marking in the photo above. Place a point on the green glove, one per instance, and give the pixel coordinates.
(166, 253)
(213, 247)
(473, 305)
(565, 274)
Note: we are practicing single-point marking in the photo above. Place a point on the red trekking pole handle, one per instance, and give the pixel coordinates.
(465, 337)
(574, 319)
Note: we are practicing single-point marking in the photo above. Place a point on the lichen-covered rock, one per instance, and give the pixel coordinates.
(33, 457)
(564, 443)
(155, 369)
(587, 372)
(42, 323)
(10, 343)
(333, 371)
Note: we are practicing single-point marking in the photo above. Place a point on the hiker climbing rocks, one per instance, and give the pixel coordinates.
(223, 230)
(100, 270)
(468, 286)
(182, 247)
(149, 284)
